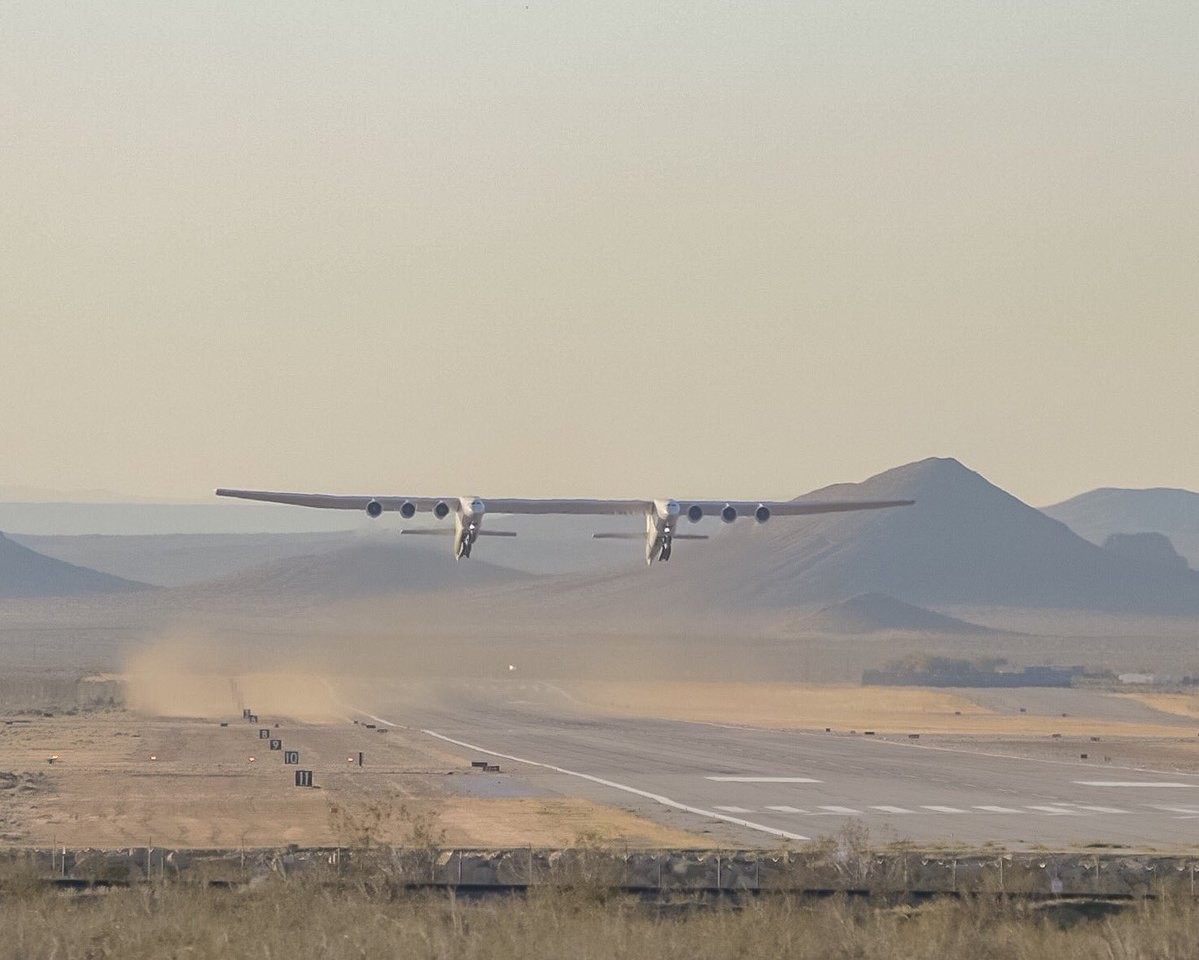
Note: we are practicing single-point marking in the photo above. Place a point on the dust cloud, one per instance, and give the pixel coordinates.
(199, 677)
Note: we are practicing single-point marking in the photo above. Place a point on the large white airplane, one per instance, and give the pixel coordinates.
(661, 516)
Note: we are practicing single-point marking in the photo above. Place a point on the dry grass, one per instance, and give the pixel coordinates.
(299, 919)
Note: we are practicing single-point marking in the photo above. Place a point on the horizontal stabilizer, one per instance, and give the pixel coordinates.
(690, 536)
(429, 532)
(618, 536)
(497, 533)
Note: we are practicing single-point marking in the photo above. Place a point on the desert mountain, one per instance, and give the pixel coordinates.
(965, 542)
(174, 560)
(1098, 514)
(26, 573)
(1152, 549)
(879, 613)
(365, 568)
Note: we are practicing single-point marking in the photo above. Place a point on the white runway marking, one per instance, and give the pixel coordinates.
(850, 811)
(1131, 783)
(1087, 806)
(764, 779)
(886, 809)
(1058, 811)
(734, 809)
(786, 809)
(994, 809)
(937, 809)
(657, 798)
(1158, 806)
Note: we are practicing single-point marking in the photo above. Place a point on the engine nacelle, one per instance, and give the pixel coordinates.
(441, 509)
(373, 509)
(695, 513)
(728, 514)
(762, 514)
(407, 509)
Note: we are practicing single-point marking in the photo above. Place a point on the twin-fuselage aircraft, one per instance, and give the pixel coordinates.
(662, 517)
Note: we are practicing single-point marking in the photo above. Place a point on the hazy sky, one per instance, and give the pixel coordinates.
(619, 248)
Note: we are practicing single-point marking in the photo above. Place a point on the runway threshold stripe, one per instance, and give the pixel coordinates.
(764, 779)
(656, 797)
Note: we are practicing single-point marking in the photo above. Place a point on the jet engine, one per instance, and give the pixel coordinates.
(695, 513)
(374, 508)
(762, 514)
(728, 514)
(407, 509)
(441, 509)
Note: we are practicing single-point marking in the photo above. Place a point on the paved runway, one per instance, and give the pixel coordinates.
(749, 787)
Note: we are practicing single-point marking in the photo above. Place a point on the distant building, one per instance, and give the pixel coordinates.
(1136, 677)
(972, 677)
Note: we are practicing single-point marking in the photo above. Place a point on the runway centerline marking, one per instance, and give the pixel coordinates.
(764, 779)
(990, 808)
(656, 797)
(1132, 783)
(785, 809)
(1053, 810)
(734, 809)
(886, 809)
(846, 811)
(939, 809)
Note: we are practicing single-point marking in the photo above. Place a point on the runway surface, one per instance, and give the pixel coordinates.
(751, 787)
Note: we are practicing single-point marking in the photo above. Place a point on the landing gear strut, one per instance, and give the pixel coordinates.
(468, 540)
(664, 553)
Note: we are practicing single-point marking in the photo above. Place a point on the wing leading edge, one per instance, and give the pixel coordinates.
(662, 517)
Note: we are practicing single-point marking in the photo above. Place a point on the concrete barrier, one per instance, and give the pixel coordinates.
(827, 869)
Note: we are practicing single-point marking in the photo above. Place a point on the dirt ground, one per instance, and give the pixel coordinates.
(883, 709)
(118, 780)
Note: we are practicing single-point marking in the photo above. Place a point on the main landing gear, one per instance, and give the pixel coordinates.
(469, 535)
(664, 552)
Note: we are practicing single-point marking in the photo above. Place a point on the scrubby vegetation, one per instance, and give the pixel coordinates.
(298, 918)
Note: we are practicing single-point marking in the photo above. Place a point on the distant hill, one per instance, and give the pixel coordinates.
(879, 613)
(1098, 514)
(1153, 549)
(364, 568)
(965, 542)
(26, 573)
(173, 560)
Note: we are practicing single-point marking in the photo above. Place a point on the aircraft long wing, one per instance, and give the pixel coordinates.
(579, 507)
(788, 508)
(330, 501)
